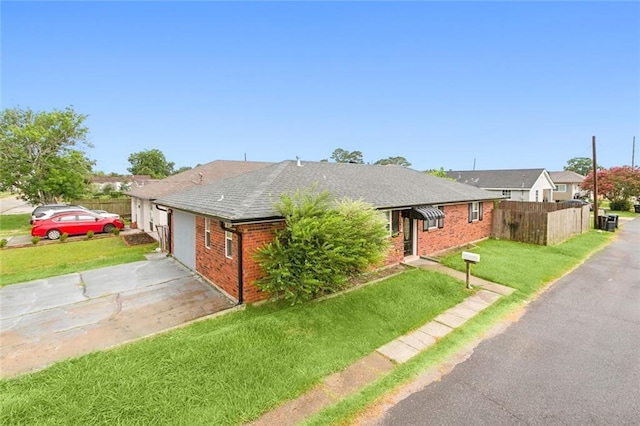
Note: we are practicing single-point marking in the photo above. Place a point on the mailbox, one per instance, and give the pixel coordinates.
(470, 257)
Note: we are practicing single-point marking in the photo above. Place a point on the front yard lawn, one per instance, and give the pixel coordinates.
(32, 263)
(527, 267)
(14, 224)
(230, 369)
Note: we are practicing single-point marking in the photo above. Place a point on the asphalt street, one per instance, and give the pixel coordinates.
(572, 359)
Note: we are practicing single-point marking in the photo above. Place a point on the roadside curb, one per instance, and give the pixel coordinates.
(384, 359)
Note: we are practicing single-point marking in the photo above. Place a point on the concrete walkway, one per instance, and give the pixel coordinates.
(383, 360)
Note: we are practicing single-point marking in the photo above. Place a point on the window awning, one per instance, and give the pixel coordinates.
(429, 212)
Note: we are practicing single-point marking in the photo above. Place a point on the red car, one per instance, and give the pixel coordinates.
(74, 223)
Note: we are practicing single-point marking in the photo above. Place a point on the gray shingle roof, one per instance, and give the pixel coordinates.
(250, 196)
(203, 174)
(497, 179)
(566, 176)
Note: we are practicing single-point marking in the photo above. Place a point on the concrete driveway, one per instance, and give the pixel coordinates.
(45, 321)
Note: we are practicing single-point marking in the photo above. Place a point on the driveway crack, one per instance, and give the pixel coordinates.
(83, 285)
(118, 308)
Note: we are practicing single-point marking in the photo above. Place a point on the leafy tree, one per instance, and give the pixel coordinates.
(342, 156)
(182, 169)
(617, 184)
(322, 244)
(150, 162)
(41, 156)
(437, 172)
(400, 161)
(580, 165)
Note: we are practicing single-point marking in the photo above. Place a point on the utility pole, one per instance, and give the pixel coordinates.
(633, 154)
(595, 184)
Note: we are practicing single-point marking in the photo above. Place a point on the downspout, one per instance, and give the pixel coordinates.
(240, 280)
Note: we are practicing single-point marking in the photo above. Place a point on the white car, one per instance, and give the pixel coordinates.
(49, 213)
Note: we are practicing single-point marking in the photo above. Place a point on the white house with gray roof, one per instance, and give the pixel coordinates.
(150, 216)
(567, 185)
(216, 227)
(513, 184)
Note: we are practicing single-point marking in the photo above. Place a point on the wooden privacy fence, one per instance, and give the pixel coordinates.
(538, 223)
(121, 206)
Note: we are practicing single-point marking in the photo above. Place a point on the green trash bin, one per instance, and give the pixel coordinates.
(602, 222)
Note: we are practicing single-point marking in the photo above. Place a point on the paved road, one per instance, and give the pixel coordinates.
(12, 205)
(48, 320)
(572, 359)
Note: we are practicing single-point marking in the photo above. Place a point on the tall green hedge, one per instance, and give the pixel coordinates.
(323, 243)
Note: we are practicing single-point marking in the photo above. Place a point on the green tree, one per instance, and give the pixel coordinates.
(437, 172)
(41, 156)
(617, 184)
(323, 243)
(340, 155)
(150, 162)
(182, 169)
(401, 161)
(580, 165)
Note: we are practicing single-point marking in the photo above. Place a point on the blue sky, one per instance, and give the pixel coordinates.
(509, 85)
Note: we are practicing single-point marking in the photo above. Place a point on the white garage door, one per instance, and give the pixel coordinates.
(184, 238)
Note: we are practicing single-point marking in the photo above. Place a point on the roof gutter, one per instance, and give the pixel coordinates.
(240, 279)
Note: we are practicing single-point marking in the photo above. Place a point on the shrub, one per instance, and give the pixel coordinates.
(64, 237)
(35, 240)
(323, 244)
(115, 231)
(3, 243)
(620, 205)
(90, 235)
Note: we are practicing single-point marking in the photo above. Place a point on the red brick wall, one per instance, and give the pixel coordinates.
(212, 263)
(222, 271)
(255, 236)
(457, 230)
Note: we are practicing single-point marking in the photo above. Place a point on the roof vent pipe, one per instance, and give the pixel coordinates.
(298, 161)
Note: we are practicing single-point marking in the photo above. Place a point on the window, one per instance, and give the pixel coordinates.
(434, 222)
(393, 221)
(228, 244)
(506, 193)
(537, 195)
(475, 211)
(561, 187)
(207, 232)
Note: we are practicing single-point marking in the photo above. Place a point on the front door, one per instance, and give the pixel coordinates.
(407, 229)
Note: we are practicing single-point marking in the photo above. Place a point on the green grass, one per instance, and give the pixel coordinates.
(14, 224)
(230, 369)
(31, 263)
(525, 267)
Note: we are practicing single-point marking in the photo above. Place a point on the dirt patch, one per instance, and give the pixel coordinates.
(137, 239)
(377, 274)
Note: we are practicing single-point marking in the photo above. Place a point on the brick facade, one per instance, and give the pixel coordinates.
(457, 230)
(222, 271)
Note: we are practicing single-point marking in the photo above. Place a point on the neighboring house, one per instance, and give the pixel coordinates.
(147, 215)
(216, 228)
(567, 185)
(516, 185)
(119, 183)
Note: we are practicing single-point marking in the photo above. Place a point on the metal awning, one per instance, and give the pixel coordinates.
(429, 212)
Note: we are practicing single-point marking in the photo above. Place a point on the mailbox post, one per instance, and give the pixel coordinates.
(470, 258)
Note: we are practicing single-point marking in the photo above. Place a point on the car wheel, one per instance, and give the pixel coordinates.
(53, 234)
(108, 228)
